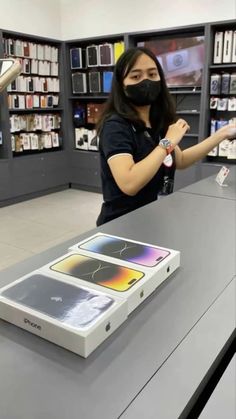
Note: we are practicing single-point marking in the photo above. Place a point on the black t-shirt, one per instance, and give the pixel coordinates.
(119, 136)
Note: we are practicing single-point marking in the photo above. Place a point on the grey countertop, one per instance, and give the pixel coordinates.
(41, 380)
(173, 390)
(209, 186)
(223, 399)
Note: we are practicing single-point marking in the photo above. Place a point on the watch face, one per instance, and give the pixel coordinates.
(165, 143)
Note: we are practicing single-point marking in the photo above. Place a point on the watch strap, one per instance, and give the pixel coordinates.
(167, 145)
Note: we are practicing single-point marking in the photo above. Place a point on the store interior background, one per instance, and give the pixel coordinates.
(33, 226)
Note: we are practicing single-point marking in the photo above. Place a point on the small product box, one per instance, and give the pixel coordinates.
(61, 311)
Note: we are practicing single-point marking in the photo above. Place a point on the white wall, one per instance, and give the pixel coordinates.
(68, 19)
(37, 17)
(87, 18)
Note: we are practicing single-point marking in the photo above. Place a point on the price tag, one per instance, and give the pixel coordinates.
(168, 161)
(222, 175)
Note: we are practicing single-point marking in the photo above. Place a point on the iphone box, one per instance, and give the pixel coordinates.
(62, 311)
(130, 269)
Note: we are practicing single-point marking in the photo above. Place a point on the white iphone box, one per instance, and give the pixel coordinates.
(228, 44)
(59, 310)
(218, 48)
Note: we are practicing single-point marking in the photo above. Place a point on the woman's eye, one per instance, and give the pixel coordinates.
(153, 75)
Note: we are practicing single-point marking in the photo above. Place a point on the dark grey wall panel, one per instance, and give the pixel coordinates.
(89, 177)
(36, 173)
(5, 180)
(85, 159)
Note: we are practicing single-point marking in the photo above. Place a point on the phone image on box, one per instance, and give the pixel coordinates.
(141, 254)
(70, 304)
(109, 275)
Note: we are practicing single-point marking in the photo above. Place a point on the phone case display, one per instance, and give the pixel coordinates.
(222, 101)
(106, 54)
(36, 89)
(79, 83)
(76, 58)
(225, 83)
(38, 132)
(94, 82)
(156, 263)
(119, 48)
(92, 56)
(232, 86)
(40, 74)
(95, 60)
(107, 81)
(70, 315)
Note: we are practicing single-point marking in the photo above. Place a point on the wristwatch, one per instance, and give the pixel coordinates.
(167, 145)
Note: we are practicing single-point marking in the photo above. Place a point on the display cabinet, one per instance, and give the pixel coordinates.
(33, 154)
(222, 87)
(89, 65)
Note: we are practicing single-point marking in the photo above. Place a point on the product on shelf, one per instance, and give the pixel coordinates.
(79, 83)
(224, 47)
(119, 48)
(106, 54)
(94, 111)
(76, 58)
(86, 139)
(107, 81)
(94, 78)
(92, 56)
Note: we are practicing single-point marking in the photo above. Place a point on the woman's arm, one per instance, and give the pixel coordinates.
(197, 152)
(131, 177)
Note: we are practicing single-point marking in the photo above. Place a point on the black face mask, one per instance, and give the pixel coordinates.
(143, 93)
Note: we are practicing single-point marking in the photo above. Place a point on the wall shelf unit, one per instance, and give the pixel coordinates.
(30, 172)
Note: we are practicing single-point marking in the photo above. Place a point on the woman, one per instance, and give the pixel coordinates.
(139, 136)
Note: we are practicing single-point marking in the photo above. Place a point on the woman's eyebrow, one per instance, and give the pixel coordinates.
(135, 70)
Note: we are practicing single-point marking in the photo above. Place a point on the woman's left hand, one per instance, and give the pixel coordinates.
(228, 131)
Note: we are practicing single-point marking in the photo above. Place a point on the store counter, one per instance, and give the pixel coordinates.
(223, 400)
(41, 380)
(172, 392)
(209, 186)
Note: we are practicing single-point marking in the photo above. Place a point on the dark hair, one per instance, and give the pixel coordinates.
(162, 112)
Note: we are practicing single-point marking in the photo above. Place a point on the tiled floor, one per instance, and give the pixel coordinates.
(32, 226)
